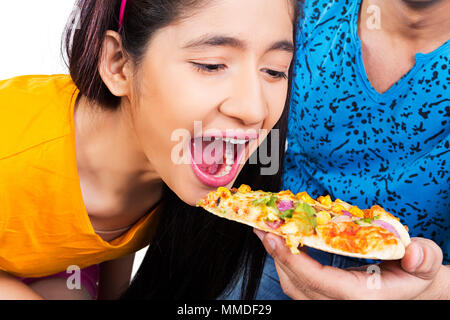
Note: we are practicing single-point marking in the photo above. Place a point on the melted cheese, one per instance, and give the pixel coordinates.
(350, 237)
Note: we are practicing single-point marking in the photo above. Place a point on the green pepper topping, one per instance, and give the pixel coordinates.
(269, 200)
(366, 220)
(306, 214)
(286, 214)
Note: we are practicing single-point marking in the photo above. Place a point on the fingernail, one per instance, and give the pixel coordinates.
(419, 259)
(260, 234)
(271, 243)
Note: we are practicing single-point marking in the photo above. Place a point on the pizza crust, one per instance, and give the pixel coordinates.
(404, 235)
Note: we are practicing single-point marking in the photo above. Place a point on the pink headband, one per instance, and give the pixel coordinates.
(122, 13)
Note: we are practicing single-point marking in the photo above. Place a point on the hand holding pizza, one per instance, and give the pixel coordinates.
(418, 275)
(288, 223)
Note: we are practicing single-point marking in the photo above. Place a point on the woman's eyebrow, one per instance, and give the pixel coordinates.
(284, 45)
(225, 41)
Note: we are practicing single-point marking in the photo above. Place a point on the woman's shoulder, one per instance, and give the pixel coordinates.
(34, 109)
(37, 85)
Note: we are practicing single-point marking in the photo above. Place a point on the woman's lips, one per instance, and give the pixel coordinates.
(216, 160)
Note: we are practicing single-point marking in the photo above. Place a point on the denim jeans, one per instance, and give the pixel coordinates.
(270, 288)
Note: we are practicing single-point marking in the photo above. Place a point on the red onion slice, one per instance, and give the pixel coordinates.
(275, 224)
(387, 226)
(346, 213)
(284, 205)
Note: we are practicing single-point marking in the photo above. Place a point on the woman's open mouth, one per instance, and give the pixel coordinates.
(216, 159)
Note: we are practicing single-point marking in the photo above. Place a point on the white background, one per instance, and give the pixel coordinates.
(30, 42)
(30, 36)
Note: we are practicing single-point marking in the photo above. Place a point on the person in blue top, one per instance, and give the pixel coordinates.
(370, 124)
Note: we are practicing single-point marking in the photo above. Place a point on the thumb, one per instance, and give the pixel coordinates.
(423, 258)
(270, 243)
(275, 245)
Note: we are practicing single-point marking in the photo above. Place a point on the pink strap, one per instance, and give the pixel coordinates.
(122, 13)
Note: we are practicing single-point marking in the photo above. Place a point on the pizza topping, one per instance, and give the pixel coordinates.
(319, 207)
(244, 189)
(337, 208)
(284, 205)
(346, 213)
(387, 226)
(362, 222)
(274, 224)
(272, 202)
(323, 217)
(305, 216)
(357, 212)
(264, 200)
(376, 210)
(290, 227)
(224, 192)
(287, 193)
(339, 224)
(303, 196)
(271, 214)
(275, 209)
(242, 211)
(349, 237)
(343, 218)
(365, 221)
(345, 204)
(326, 201)
(306, 208)
(287, 214)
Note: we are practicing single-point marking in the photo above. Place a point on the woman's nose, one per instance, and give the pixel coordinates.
(246, 101)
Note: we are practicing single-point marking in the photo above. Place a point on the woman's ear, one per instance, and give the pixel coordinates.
(114, 65)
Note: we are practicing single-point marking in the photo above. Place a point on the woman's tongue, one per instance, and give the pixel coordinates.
(210, 157)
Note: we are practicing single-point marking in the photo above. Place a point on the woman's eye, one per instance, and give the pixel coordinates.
(209, 68)
(276, 74)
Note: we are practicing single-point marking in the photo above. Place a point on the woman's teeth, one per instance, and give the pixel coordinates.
(229, 154)
(234, 141)
(215, 160)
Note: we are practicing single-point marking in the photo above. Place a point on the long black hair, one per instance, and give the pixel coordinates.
(193, 254)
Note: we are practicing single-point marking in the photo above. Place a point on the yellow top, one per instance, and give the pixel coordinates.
(44, 225)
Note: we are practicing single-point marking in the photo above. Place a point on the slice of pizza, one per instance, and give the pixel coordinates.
(333, 226)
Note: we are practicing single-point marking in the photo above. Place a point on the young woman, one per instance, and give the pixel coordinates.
(88, 172)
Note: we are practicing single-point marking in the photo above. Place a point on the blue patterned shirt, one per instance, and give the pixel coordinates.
(353, 143)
